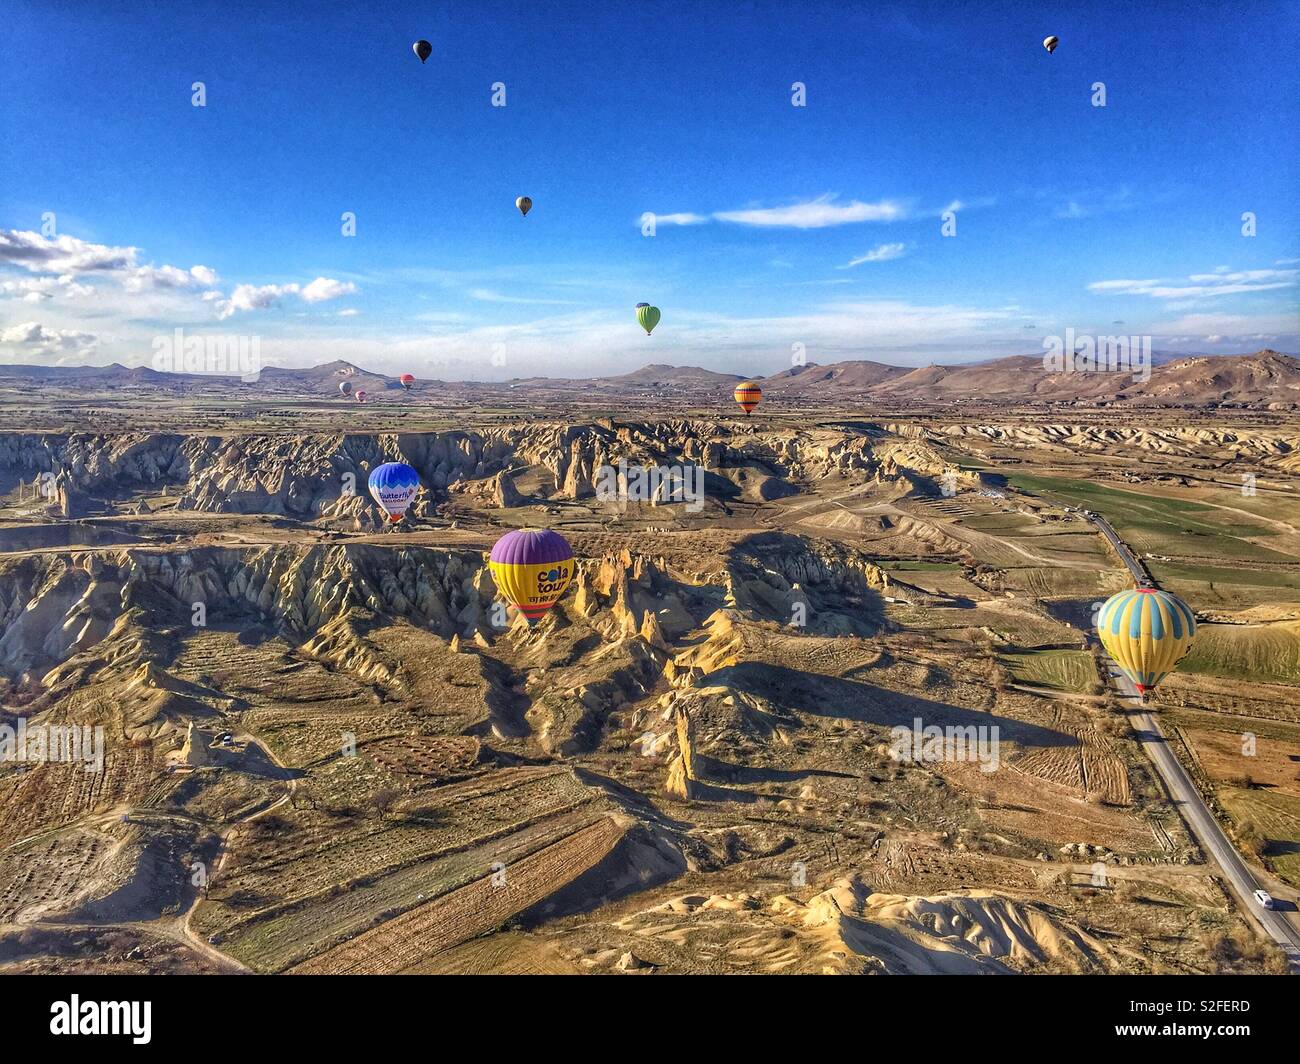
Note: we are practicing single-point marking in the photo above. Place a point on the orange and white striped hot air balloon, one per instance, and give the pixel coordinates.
(748, 395)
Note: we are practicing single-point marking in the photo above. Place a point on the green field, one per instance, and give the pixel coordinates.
(1266, 652)
(1210, 586)
(1278, 819)
(1153, 523)
(1062, 670)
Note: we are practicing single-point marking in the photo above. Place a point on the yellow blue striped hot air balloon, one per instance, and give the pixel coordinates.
(1146, 631)
(531, 568)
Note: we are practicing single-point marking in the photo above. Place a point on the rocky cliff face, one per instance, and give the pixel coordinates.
(306, 476)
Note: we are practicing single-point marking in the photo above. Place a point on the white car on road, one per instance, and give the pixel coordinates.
(1264, 898)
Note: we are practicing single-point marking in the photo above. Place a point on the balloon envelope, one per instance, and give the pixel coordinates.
(345, 387)
(423, 49)
(1050, 44)
(393, 485)
(361, 396)
(531, 568)
(525, 204)
(748, 394)
(648, 316)
(1146, 631)
(407, 380)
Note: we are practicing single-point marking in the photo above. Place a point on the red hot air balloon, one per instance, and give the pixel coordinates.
(408, 381)
(361, 395)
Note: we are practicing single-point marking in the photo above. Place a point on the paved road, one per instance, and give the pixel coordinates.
(1130, 559)
(1186, 798)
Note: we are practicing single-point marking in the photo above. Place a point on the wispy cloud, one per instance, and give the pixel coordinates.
(819, 213)
(679, 218)
(1222, 282)
(880, 253)
(488, 295)
(1091, 202)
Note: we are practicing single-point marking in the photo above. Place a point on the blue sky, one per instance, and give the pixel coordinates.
(777, 225)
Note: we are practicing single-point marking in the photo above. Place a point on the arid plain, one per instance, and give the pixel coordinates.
(328, 750)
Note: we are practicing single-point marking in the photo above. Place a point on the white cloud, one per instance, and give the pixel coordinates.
(31, 337)
(350, 312)
(815, 214)
(488, 295)
(326, 288)
(141, 278)
(254, 297)
(880, 253)
(35, 289)
(61, 254)
(1221, 282)
(1088, 206)
(60, 263)
(1236, 327)
(151, 290)
(680, 218)
(259, 297)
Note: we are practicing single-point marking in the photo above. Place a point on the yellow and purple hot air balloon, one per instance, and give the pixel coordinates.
(531, 568)
(1146, 631)
(393, 485)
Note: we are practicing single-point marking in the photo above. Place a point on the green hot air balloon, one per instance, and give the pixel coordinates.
(648, 316)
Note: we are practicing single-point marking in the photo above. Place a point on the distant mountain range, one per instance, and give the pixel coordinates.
(1266, 378)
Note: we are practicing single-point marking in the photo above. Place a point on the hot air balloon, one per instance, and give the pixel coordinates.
(525, 204)
(361, 395)
(408, 381)
(345, 387)
(423, 49)
(1050, 44)
(393, 485)
(748, 394)
(532, 567)
(648, 316)
(1146, 631)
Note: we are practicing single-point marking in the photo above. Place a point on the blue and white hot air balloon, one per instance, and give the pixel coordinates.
(393, 485)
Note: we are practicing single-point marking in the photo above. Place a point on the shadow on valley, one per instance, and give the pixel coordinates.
(809, 586)
(830, 696)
